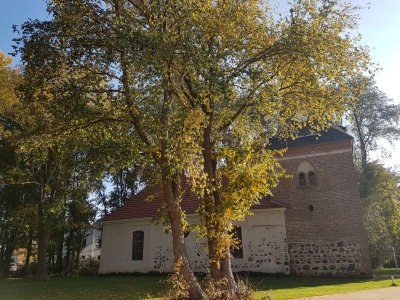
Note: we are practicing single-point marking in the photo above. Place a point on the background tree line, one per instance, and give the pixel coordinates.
(47, 175)
(372, 120)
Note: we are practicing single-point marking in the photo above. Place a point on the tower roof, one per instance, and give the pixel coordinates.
(306, 138)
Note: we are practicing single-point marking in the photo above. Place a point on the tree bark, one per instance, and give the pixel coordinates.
(60, 249)
(43, 242)
(29, 247)
(68, 250)
(42, 238)
(171, 189)
(5, 257)
(181, 260)
(170, 185)
(220, 266)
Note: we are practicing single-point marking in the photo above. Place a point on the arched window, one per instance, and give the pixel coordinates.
(302, 179)
(306, 174)
(237, 250)
(137, 245)
(312, 178)
(186, 232)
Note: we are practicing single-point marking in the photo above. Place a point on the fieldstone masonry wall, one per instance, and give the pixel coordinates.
(339, 259)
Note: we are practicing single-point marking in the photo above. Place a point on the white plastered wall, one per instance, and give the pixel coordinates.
(263, 236)
(116, 252)
(264, 243)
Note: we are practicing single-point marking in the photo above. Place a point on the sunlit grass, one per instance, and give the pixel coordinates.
(295, 287)
(154, 287)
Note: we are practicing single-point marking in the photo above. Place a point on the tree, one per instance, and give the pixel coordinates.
(44, 162)
(373, 117)
(16, 213)
(380, 194)
(10, 197)
(125, 183)
(55, 174)
(78, 217)
(44, 169)
(198, 88)
(9, 79)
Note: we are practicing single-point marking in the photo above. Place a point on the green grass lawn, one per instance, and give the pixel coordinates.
(154, 287)
(387, 272)
(82, 288)
(298, 287)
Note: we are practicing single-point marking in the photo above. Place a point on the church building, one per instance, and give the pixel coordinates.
(312, 226)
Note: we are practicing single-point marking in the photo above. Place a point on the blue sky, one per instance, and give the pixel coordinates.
(379, 26)
(15, 12)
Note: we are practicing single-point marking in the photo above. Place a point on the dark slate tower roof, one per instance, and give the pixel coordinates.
(333, 134)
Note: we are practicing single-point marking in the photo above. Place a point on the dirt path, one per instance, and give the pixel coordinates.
(391, 293)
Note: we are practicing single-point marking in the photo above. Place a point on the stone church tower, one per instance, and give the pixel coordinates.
(324, 219)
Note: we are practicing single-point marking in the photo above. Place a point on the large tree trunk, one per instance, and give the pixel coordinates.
(60, 249)
(29, 247)
(171, 187)
(219, 255)
(43, 242)
(68, 250)
(42, 238)
(181, 260)
(6, 252)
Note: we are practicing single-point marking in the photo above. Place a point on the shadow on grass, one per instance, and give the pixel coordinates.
(387, 272)
(82, 288)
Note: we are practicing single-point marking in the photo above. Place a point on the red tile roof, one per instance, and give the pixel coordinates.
(137, 207)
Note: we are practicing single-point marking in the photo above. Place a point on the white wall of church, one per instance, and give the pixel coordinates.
(116, 250)
(263, 236)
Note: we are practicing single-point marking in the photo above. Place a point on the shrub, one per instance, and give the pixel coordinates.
(25, 271)
(89, 267)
